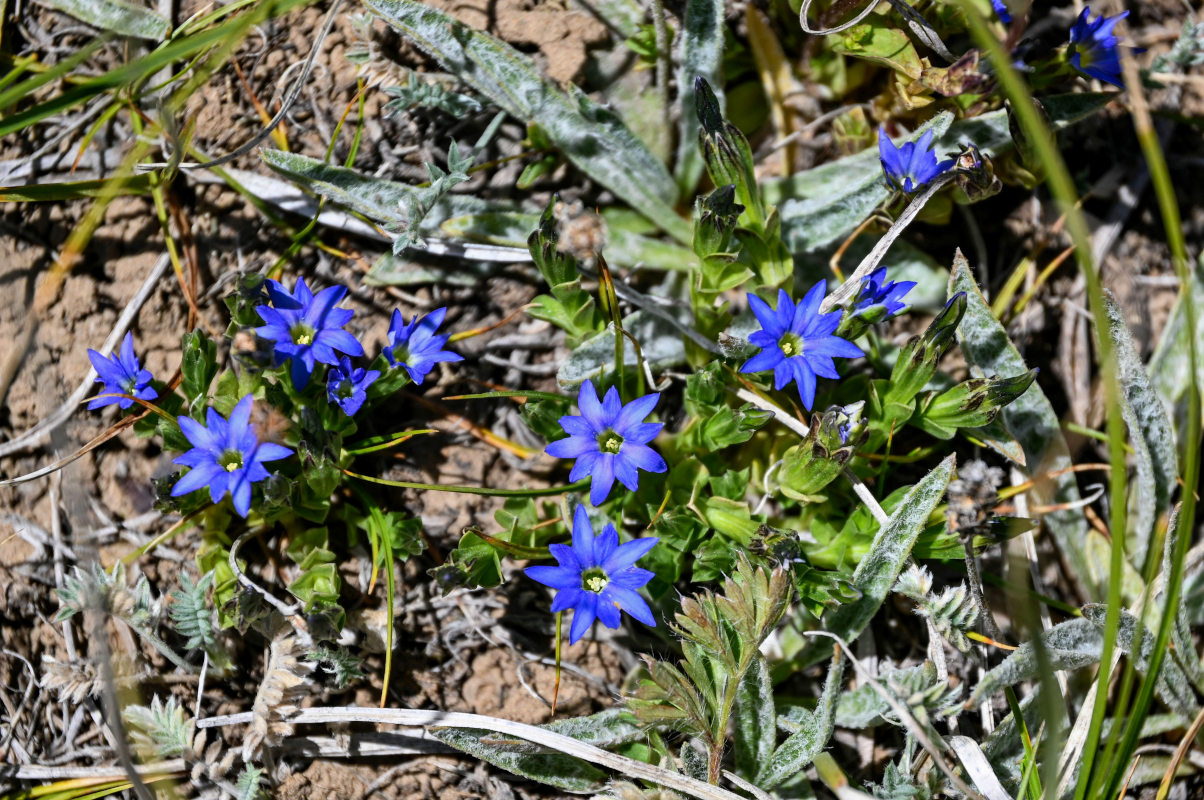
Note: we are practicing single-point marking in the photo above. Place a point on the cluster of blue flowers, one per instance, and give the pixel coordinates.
(597, 576)
(227, 455)
(307, 328)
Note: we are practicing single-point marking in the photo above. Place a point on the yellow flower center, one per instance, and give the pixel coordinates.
(790, 345)
(612, 443)
(594, 580)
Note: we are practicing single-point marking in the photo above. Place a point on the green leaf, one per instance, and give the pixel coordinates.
(525, 759)
(701, 56)
(1032, 420)
(1156, 462)
(756, 720)
(593, 138)
(880, 41)
(198, 366)
(880, 567)
(825, 204)
(814, 730)
(1069, 645)
(124, 19)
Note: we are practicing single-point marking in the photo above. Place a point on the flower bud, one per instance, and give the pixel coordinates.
(715, 219)
(918, 359)
(970, 404)
(834, 437)
(1026, 150)
(976, 178)
(726, 152)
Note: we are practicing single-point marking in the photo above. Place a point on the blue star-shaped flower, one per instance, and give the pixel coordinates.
(1001, 11)
(307, 328)
(1093, 47)
(415, 346)
(797, 343)
(597, 577)
(226, 456)
(347, 385)
(121, 374)
(910, 165)
(609, 440)
(876, 291)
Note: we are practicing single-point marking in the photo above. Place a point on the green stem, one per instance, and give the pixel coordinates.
(530, 395)
(1151, 148)
(376, 443)
(442, 487)
(1061, 186)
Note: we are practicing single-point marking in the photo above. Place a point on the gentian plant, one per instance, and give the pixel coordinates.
(416, 347)
(1094, 49)
(226, 456)
(911, 165)
(306, 328)
(609, 440)
(797, 342)
(596, 577)
(121, 374)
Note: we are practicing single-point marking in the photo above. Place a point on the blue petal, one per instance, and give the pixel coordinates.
(568, 598)
(765, 315)
(625, 472)
(607, 610)
(199, 435)
(606, 543)
(611, 406)
(583, 537)
(566, 557)
(555, 577)
(631, 602)
(806, 382)
(627, 554)
(583, 616)
(198, 477)
(241, 495)
(591, 407)
(572, 447)
(834, 347)
(634, 413)
(604, 479)
(643, 457)
(764, 360)
(577, 426)
(643, 433)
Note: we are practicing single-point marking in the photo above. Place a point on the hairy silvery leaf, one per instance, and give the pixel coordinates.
(1170, 367)
(591, 136)
(122, 18)
(880, 567)
(756, 720)
(608, 728)
(248, 784)
(525, 759)
(701, 52)
(1172, 686)
(428, 95)
(1069, 645)
(1155, 459)
(191, 613)
(161, 728)
(660, 341)
(814, 729)
(400, 208)
(1032, 420)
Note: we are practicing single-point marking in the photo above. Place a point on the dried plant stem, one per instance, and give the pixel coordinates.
(541, 736)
